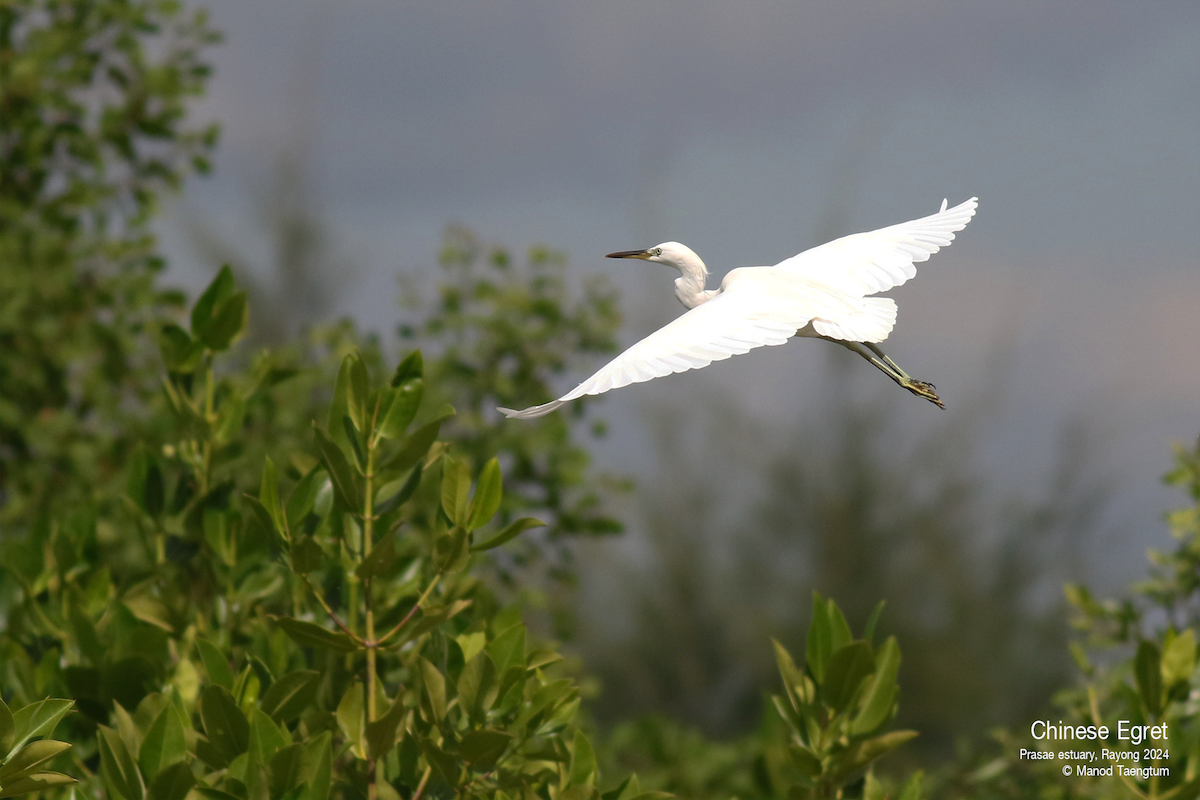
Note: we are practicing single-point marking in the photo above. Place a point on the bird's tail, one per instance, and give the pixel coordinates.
(872, 322)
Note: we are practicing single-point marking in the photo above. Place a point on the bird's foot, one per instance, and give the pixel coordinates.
(926, 390)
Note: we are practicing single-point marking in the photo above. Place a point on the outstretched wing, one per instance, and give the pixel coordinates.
(866, 263)
(744, 316)
(763, 306)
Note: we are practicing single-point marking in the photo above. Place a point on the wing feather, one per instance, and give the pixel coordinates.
(866, 263)
(734, 322)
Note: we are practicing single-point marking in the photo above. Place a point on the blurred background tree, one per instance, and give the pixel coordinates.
(93, 129)
(737, 535)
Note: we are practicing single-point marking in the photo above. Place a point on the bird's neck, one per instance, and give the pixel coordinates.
(689, 287)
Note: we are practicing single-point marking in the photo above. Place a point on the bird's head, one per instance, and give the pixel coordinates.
(673, 254)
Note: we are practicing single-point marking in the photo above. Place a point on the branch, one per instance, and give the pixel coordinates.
(411, 611)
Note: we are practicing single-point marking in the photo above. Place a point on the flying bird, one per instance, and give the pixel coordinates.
(822, 293)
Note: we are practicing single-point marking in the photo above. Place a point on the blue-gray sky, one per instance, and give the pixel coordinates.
(752, 131)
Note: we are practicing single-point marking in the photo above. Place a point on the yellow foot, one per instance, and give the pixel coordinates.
(926, 390)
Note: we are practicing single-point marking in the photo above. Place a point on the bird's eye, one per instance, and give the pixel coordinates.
(656, 251)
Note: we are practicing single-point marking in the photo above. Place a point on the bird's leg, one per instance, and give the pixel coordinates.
(872, 353)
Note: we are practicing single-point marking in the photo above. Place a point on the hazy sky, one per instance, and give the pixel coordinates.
(752, 131)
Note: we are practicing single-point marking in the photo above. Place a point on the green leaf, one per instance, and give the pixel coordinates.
(287, 769)
(86, 636)
(508, 649)
(510, 692)
(879, 699)
(174, 781)
(381, 734)
(307, 555)
(434, 684)
(37, 720)
(216, 794)
(1178, 658)
(451, 551)
(220, 290)
(483, 748)
(355, 387)
(183, 408)
(381, 560)
(818, 646)
(471, 643)
(268, 495)
(230, 418)
(265, 737)
(546, 698)
(339, 407)
(1147, 669)
(222, 539)
(839, 629)
(318, 767)
(352, 720)
(443, 763)
(149, 609)
(476, 679)
(542, 658)
(145, 485)
(27, 760)
(583, 762)
(345, 483)
(37, 782)
(488, 493)
(861, 756)
(300, 502)
(8, 729)
(872, 622)
(263, 516)
(456, 488)
(410, 369)
(793, 678)
(845, 672)
(559, 715)
(224, 723)
(226, 324)
(262, 671)
(872, 788)
(417, 444)
(117, 769)
(290, 695)
(508, 534)
(164, 744)
(399, 407)
(912, 788)
(127, 729)
(355, 441)
(247, 686)
(396, 493)
(310, 634)
(215, 664)
(805, 761)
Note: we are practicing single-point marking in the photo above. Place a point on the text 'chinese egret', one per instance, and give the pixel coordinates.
(821, 293)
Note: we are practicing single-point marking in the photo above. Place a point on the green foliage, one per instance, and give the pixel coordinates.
(498, 331)
(92, 130)
(238, 604)
(313, 630)
(820, 738)
(834, 708)
(26, 749)
(1137, 659)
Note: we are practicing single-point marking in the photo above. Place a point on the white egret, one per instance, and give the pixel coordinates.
(821, 293)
